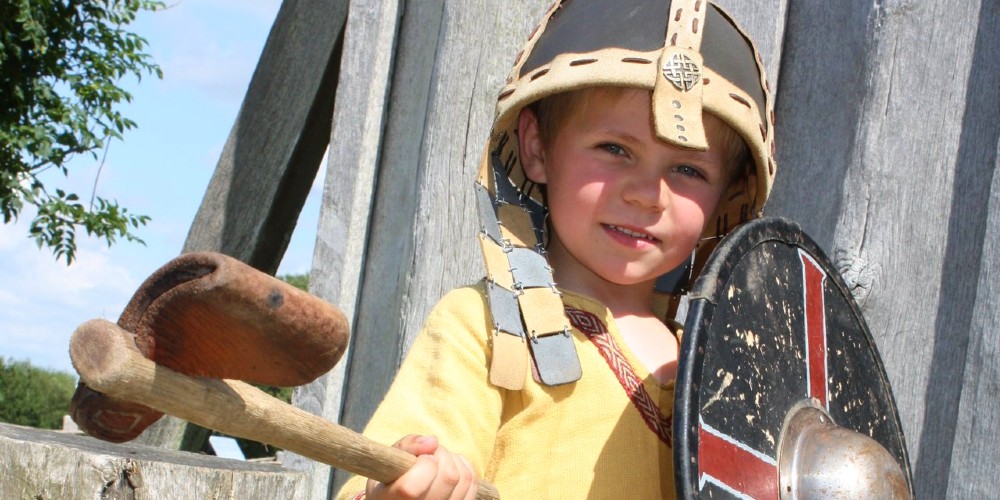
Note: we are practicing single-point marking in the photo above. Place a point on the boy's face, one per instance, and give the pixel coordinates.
(625, 207)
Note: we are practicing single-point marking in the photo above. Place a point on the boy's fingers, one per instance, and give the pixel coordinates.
(437, 473)
(415, 483)
(417, 444)
(471, 488)
(455, 476)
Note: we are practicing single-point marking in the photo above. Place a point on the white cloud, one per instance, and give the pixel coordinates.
(211, 47)
(9, 239)
(262, 10)
(43, 300)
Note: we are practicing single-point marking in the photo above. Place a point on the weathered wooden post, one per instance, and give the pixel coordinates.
(888, 136)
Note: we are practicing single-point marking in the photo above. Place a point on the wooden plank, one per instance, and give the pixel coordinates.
(274, 149)
(915, 121)
(976, 448)
(271, 157)
(814, 83)
(48, 464)
(389, 261)
(425, 176)
(882, 159)
(339, 256)
(423, 247)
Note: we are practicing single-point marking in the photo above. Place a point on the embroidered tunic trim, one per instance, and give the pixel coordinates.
(597, 332)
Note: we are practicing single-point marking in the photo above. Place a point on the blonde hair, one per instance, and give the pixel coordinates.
(554, 111)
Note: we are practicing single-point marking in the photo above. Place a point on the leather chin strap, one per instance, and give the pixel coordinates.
(530, 328)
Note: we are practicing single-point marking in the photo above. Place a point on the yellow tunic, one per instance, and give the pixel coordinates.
(581, 440)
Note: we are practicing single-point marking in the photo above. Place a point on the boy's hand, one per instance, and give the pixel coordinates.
(438, 473)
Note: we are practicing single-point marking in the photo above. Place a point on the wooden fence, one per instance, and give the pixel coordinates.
(888, 134)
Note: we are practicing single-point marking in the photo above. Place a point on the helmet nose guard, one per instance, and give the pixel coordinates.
(693, 58)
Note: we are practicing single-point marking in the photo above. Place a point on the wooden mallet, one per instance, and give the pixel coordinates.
(107, 360)
(205, 314)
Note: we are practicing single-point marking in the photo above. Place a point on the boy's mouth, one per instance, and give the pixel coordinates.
(631, 233)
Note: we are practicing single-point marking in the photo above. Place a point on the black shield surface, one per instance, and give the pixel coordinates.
(771, 325)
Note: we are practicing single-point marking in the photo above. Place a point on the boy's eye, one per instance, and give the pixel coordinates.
(688, 171)
(614, 149)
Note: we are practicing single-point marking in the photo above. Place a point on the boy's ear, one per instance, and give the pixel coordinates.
(735, 188)
(530, 146)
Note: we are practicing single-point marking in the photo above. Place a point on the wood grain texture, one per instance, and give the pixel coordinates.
(48, 464)
(887, 142)
(274, 149)
(976, 449)
(345, 215)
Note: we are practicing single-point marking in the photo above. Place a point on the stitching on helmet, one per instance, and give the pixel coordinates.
(581, 62)
(637, 60)
(740, 99)
(538, 74)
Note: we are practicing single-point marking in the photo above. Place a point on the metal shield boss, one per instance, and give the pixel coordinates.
(780, 389)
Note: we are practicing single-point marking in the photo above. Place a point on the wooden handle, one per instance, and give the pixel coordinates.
(107, 361)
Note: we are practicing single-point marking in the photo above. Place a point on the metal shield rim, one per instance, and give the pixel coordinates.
(704, 297)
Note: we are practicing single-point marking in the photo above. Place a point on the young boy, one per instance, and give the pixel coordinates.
(630, 136)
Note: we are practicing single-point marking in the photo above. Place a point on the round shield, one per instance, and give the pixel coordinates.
(771, 329)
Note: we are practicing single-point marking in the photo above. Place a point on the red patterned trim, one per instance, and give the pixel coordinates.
(595, 329)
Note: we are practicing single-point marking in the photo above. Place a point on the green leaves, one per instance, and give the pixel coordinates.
(61, 62)
(58, 217)
(33, 396)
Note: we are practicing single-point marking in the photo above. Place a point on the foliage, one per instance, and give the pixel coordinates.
(61, 62)
(34, 396)
(300, 281)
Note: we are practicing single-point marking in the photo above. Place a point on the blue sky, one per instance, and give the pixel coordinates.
(208, 50)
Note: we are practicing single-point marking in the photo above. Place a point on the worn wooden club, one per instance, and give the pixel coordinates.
(194, 333)
(107, 361)
(206, 314)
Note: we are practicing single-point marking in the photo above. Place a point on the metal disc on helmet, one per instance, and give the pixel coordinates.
(771, 328)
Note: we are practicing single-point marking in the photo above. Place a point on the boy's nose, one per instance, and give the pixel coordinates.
(647, 192)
